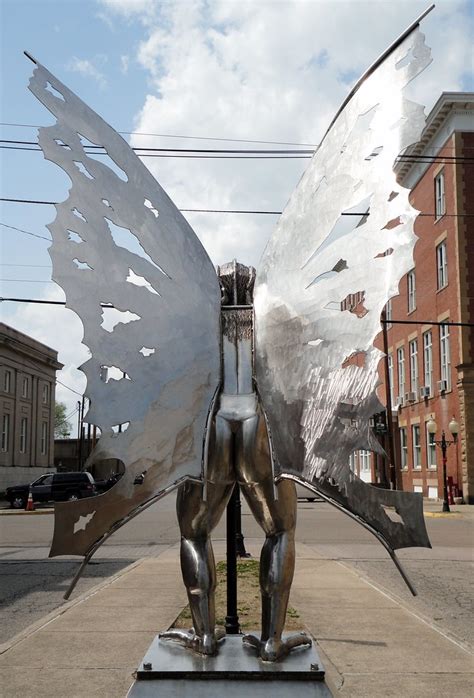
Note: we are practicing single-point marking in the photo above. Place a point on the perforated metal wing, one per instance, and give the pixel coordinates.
(119, 240)
(344, 241)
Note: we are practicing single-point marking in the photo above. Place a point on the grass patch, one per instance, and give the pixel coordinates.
(248, 599)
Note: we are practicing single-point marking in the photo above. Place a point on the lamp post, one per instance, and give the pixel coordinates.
(453, 427)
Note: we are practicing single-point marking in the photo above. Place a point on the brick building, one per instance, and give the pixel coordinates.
(430, 366)
(27, 387)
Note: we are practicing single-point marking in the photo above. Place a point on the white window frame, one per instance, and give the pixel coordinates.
(24, 387)
(430, 450)
(442, 265)
(445, 355)
(44, 438)
(413, 353)
(411, 287)
(401, 371)
(403, 448)
(7, 381)
(416, 446)
(23, 434)
(440, 198)
(5, 433)
(364, 461)
(428, 360)
(45, 397)
(390, 377)
(388, 314)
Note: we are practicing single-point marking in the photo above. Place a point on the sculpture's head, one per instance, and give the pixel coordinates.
(237, 283)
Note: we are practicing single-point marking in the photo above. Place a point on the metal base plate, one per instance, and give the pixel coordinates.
(169, 660)
(177, 671)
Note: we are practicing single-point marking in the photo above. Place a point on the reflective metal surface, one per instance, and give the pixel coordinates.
(119, 239)
(323, 282)
(238, 452)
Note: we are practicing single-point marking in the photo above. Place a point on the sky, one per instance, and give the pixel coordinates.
(202, 75)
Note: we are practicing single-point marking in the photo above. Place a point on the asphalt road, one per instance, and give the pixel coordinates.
(32, 585)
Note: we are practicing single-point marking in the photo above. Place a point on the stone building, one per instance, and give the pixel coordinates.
(27, 389)
(430, 365)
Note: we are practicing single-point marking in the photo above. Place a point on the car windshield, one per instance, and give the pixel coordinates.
(43, 480)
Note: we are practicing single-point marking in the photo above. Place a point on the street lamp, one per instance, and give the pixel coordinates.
(453, 427)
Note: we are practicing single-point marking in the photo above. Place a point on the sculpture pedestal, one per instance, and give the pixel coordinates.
(169, 670)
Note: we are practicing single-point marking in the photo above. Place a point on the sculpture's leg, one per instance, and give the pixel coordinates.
(277, 517)
(197, 518)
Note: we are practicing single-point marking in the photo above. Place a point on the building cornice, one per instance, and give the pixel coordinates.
(453, 112)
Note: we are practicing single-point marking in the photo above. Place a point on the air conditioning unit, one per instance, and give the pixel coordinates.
(410, 397)
(425, 391)
(442, 386)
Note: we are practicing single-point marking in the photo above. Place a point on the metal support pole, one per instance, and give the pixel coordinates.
(444, 448)
(232, 626)
(239, 538)
(391, 449)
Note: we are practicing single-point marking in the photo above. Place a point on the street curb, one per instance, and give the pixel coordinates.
(462, 644)
(444, 515)
(46, 620)
(23, 512)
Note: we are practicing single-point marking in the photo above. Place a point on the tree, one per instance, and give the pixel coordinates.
(62, 428)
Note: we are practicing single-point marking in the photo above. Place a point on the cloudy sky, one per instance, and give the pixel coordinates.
(198, 75)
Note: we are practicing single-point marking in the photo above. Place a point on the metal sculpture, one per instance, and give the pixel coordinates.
(199, 410)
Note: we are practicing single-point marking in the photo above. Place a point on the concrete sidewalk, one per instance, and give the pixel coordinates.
(371, 646)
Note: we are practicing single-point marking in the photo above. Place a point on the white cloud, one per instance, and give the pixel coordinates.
(87, 68)
(250, 70)
(124, 63)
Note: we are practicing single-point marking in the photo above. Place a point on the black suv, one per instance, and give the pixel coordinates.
(53, 487)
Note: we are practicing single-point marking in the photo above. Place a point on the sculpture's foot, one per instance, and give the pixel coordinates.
(272, 650)
(206, 644)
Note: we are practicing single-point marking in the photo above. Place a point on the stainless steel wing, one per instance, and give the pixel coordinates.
(345, 239)
(148, 297)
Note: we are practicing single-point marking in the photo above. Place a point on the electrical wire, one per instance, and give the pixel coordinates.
(170, 135)
(395, 322)
(225, 210)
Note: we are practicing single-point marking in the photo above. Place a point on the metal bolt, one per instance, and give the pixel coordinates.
(314, 667)
(147, 666)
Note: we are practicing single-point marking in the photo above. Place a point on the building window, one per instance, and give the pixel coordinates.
(23, 434)
(442, 265)
(388, 314)
(411, 282)
(440, 202)
(364, 461)
(401, 371)
(403, 448)
(445, 355)
(44, 438)
(5, 432)
(45, 393)
(413, 349)
(415, 432)
(7, 381)
(431, 449)
(390, 376)
(428, 360)
(24, 387)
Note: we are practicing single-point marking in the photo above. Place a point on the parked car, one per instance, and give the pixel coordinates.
(104, 485)
(53, 487)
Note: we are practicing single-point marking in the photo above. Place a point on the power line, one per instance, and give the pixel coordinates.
(384, 322)
(224, 210)
(69, 388)
(37, 266)
(26, 232)
(169, 135)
